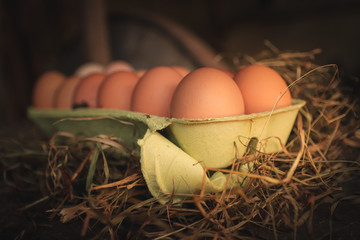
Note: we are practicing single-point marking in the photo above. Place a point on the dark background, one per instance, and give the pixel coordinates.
(40, 35)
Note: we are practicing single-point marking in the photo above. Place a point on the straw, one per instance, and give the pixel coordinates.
(86, 179)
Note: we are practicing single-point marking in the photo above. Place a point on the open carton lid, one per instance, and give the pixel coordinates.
(168, 171)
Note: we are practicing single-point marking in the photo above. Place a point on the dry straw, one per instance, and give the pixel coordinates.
(92, 180)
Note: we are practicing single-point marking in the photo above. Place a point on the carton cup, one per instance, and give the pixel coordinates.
(215, 143)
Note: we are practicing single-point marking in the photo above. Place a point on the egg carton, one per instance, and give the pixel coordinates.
(174, 153)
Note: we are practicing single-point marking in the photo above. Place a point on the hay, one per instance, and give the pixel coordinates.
(92, 180)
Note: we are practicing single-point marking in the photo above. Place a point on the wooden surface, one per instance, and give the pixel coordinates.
(95, 27)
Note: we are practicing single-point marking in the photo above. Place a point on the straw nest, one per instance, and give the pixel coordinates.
(88, 180)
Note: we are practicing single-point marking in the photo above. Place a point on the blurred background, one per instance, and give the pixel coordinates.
(42, 35)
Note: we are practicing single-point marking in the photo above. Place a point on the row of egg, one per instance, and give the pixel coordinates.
(167, 91)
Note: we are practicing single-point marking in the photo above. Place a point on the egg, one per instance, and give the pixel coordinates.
(45, 88)
(86, 92)
(89, 68)
(154, 90)
(206, 93)
(65, 94)
(261, 87)
(118, 65)
(116, 90)
(182, 70)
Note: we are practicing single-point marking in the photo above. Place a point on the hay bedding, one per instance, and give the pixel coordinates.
(93, 187)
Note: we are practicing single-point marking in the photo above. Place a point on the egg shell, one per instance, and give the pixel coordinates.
(118, 65)
(65, 95)
(116, 90)
(154, 90)
(182, 70)
(86, 92)
(261, 87)
(45, 88)
(89, 68)
(206, 93)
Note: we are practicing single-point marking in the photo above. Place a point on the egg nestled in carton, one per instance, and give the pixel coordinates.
(208, 116)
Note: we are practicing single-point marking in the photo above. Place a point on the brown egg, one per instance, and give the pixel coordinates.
(86, 92)
(89, 68)
(45, 89)
(116, 90)
(154, 90)
(182, 70)
(65, 95)
(118, 65)
(261, 87)
(206, 93)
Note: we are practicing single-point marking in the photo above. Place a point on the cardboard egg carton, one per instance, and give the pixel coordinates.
(175, 152)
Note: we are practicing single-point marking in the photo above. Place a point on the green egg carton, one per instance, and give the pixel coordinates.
(175, 152)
